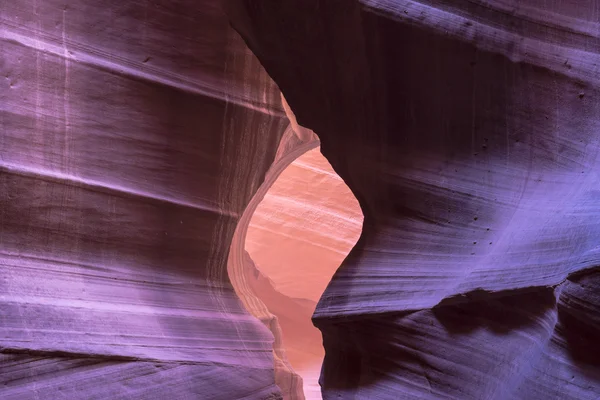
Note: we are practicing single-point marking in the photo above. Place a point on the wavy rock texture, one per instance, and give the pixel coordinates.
(132, 137)
(310, 219)
(469, 133)
(255, 290)
(301, 231)
(299, 226)
(135, 136)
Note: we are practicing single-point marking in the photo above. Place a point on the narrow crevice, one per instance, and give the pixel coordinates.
(300, 233)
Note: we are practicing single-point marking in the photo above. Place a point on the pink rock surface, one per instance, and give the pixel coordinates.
(304, 227)
(298, 236)
(254, 289)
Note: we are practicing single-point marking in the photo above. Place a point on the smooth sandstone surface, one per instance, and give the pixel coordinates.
(138, 138)
(132, 137)
(301, 231)
(256, 291)
(469, 133)
(304, 228)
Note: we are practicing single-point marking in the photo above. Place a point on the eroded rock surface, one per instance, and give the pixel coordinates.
(469, 133)
(132, 137)
(310, 219)
(298, 236)
(254, 289)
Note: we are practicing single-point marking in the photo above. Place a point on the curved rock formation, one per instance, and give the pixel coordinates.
(301, 231)
(255, 290)
(310, 219)
(132, 137)
(299, 226)
(469, 133)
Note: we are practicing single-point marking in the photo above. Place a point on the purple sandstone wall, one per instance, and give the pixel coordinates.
(469, 132)
(134, 134)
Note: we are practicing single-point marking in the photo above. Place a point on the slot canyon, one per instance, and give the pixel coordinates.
(300, 199)
(299, 234)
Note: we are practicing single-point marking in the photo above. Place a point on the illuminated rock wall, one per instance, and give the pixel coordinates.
(134, 138)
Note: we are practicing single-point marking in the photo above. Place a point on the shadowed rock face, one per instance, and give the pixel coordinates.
(132, 137)
(469, 132)
(135, 137)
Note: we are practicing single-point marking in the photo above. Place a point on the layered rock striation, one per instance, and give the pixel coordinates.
(469, 133)
(132, 137)
(299, 234)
